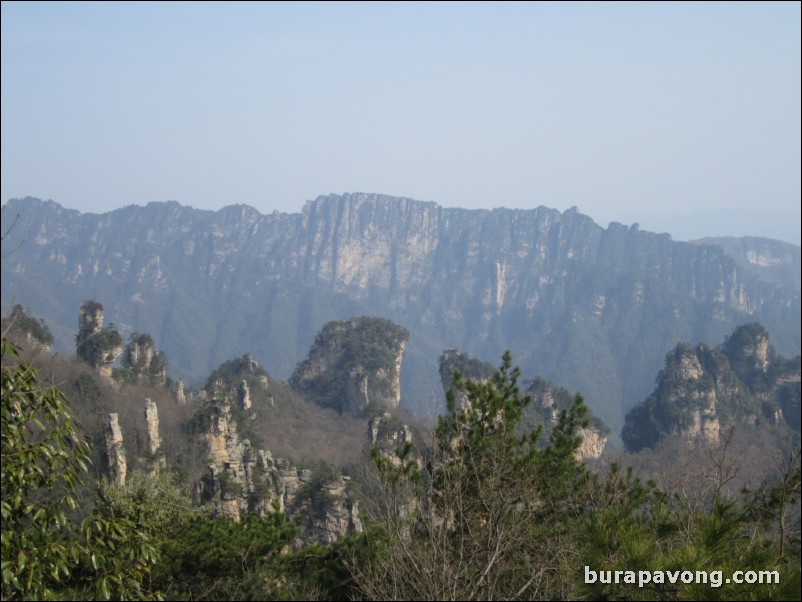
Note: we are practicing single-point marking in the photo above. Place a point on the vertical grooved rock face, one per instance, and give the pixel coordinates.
(142, 363)
(531, 281)
(90, 319)
(593, 442)
(703, 390)
(388, 437)
(243, 480)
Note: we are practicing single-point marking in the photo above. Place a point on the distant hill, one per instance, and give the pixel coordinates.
(703, 390)
(593, 309)
(770, 260)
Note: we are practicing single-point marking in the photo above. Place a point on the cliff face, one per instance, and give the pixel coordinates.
(702, 391)
(354, 364)
(591, 308)
(244, 477)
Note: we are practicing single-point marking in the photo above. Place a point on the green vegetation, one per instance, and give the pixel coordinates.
(493, 504)
(371, 344)
(204, 557)
(548, 400)
(496, 515)
(539, 414)
(470, 368)
(232, 371)
(486, 516)
(45, 552)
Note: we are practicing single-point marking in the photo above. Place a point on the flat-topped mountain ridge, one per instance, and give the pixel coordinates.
(590, 308)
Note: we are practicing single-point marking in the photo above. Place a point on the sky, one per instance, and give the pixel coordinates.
(683, 117)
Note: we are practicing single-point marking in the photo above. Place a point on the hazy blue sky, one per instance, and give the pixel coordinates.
(683, 117)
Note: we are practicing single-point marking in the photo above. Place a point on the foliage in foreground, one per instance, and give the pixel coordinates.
(496, 515)
(488, 512)
(46, 553)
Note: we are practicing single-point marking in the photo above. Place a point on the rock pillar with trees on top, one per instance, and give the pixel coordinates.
(98, 346)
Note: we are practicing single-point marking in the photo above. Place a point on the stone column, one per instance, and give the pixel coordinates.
(244, 395)
(152, 419)
(180, 396)
(115, 451)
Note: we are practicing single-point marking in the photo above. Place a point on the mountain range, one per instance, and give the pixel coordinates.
(593, 309)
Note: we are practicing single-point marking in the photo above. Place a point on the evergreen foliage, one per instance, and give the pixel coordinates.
(496, 515)
(98, 346)
(473, 523)
(45, 553)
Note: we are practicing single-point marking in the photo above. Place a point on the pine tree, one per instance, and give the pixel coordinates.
(486, 517)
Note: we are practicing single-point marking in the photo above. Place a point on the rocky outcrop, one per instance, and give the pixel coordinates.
(152, 422)
(142, 363)
(100, 347)
(155, 459)
(391, 446)
(234, 381)
(244, 480)
(469, 368)
(90, 323)
(703, 390)
(749, 351)
(152, 460)
(332, 515)
(180, 395)
(593, 443)
(244, 395)
(32, 334)
(389, 437)
(115, 452)
(354, 364)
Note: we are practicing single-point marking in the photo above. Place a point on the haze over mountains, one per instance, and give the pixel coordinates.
(592, 309)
